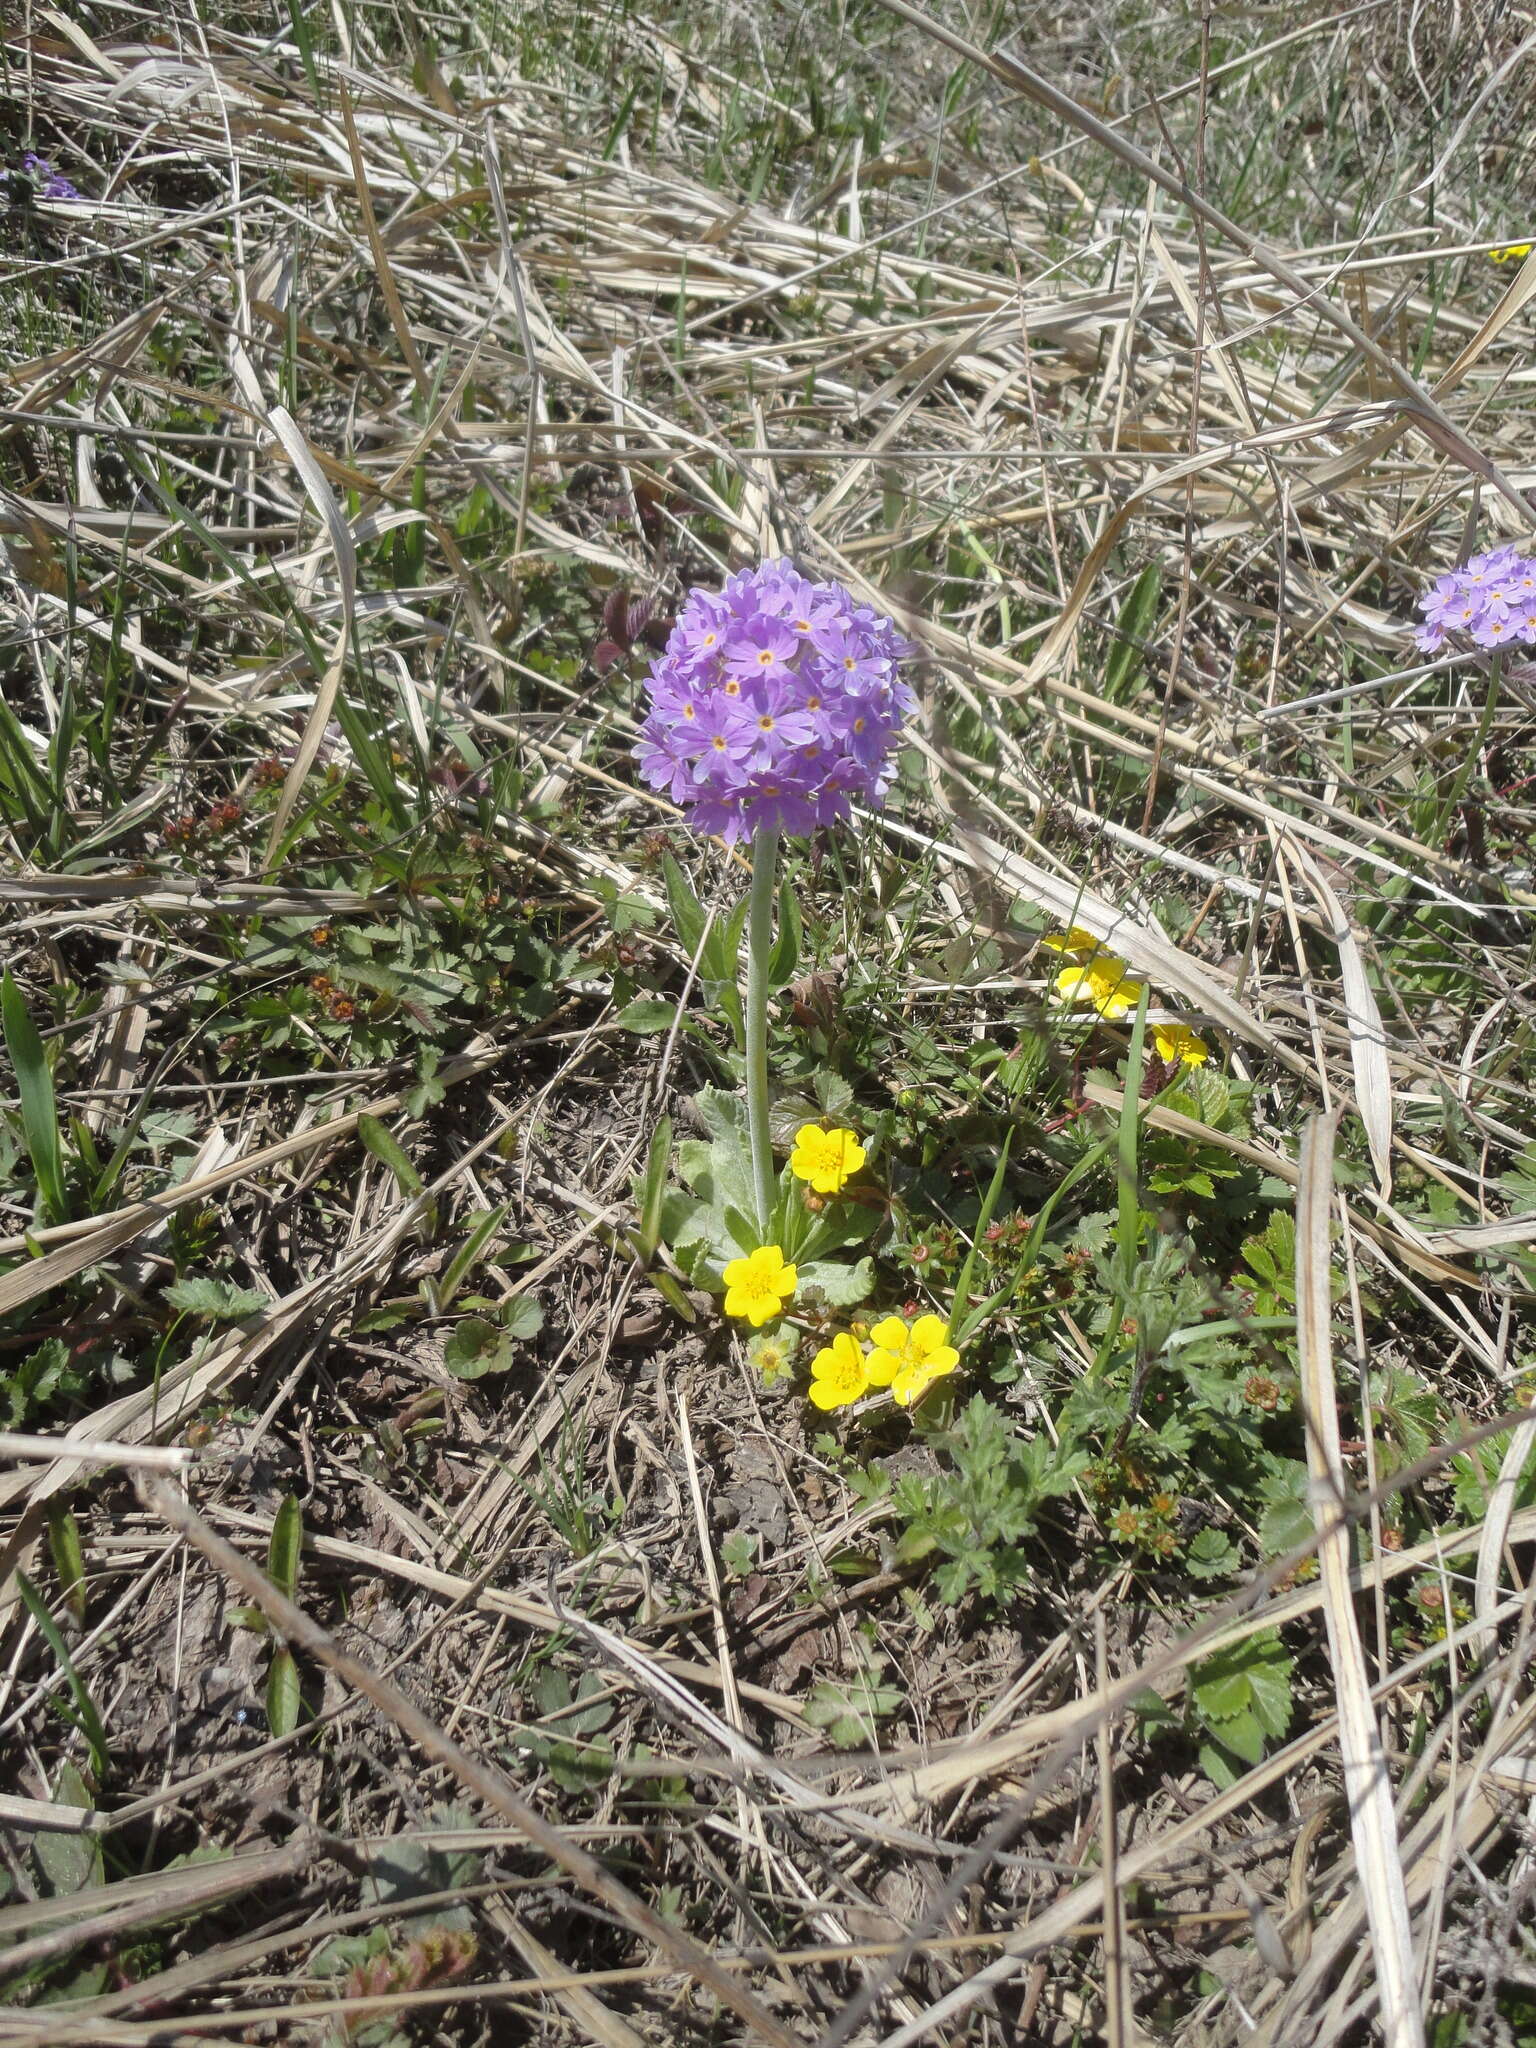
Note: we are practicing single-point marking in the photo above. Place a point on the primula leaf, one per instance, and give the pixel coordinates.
(285, 1546)
(647, 1015)
(69, 1862)
(284, 1700)
(784, 960)
(688, 914)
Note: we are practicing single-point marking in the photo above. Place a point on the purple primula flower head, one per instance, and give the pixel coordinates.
(776, 705)
(1491, 599)
(50, 184)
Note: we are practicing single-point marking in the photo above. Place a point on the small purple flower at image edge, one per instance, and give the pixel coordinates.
(1491, 599)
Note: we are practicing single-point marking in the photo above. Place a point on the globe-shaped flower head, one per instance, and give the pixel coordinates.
(775, 706)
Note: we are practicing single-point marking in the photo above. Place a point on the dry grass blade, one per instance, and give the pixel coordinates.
(288, 432)
(1368, 1787)
(1367, 1038)
(1496, 1529)
(478, 1778)
(1432, 421)
(366, 421)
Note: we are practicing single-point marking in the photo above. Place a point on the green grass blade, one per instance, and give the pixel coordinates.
(84, 1715)
(39, 1113)
(651, 1189)
(961, 1322)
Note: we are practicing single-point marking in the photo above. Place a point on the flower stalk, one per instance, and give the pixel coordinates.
(765, 860)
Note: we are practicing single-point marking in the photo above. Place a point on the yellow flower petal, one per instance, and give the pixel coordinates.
(1177, 1044)
(826, 1159)
(1076, 941)
(838, 1373)
(757, 1286)
(914, 1380)
(928, 1334)
(1104, 982)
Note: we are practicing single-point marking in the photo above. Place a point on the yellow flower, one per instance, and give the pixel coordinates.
(827, 1159)
(1511, 251)
(908, 1361)
(839, 1373)
(1102, 980)
(758, 1286)
(1177, 1044)
(1077, 942)
(773, 1357)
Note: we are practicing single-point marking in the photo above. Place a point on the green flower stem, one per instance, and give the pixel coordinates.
(765, 867)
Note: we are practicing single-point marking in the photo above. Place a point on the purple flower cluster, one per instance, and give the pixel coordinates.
(50, 185)
(1492, 599)
(776, 703)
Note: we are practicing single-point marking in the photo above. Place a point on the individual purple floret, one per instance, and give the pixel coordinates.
(775, 705)
(1491, 598)
(50, 185)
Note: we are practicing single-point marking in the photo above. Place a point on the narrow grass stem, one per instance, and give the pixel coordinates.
(765, 864)
(1475, 752)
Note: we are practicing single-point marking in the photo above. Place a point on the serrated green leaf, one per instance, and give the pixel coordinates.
(219, 1301)
(1211, 1554)
(1243, 1735)
(833, 1093)
(1222, 1695)
(722, 1114)
(1270, 1684)
(842, 1286)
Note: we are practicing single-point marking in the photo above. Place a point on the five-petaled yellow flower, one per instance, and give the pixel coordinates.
(1511, 251)
(1104, 980)
(758, 1286)
(1180, 1046)
(827, 1159)
(1077, 942)
(908, 1361)
(839, 1373)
